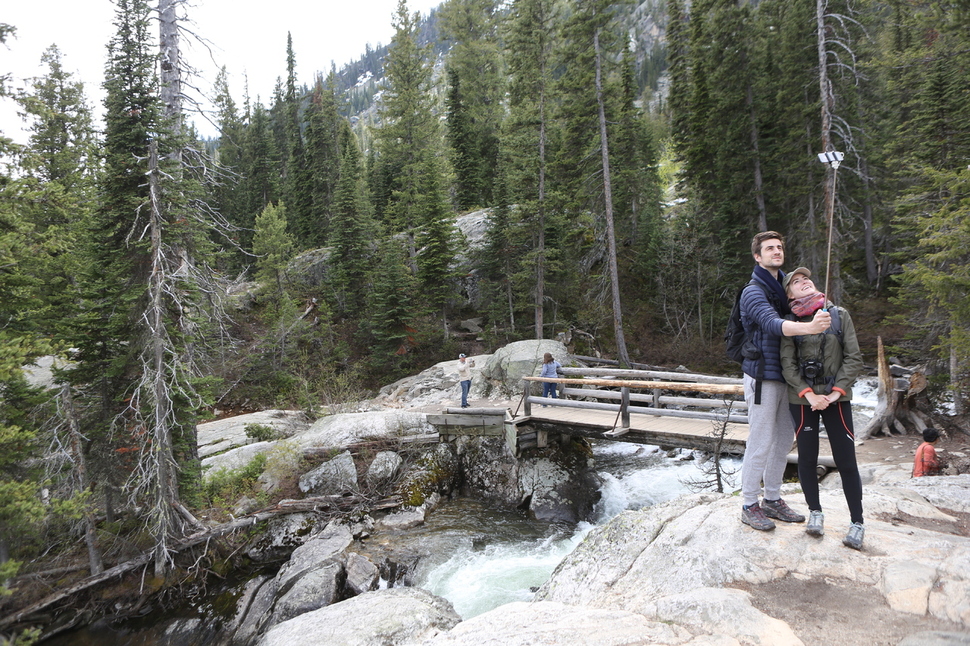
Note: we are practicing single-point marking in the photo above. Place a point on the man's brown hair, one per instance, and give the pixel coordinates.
(757, 241)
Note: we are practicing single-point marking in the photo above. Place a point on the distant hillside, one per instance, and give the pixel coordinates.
(360, 80)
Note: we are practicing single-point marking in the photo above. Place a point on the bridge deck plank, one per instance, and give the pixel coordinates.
(644, 429)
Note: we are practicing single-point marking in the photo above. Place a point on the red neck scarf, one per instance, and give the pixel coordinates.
(807, 305)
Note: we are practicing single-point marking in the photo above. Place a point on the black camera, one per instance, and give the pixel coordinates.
(812, 369)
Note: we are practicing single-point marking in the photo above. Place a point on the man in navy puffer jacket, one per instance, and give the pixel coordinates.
(770, 430)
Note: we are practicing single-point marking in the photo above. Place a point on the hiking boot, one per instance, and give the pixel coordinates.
(815, 521)
(780, 510)
(853, 539)
(754, 516)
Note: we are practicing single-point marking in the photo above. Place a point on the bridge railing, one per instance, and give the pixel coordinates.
(626, 387)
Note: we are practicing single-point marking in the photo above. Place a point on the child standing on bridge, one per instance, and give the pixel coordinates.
(550, 368)
(820, 370)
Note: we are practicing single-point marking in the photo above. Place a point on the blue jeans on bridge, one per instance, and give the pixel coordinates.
(465, 387)
(550, 390)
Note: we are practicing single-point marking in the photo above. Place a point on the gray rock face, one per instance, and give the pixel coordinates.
(380, 618)
(332, 477)
(556, 481)
(313, 589)
(224, 434)
(435, 472)
(339, 431)
(527, 624)
(310, 267)
(646, 561)
(314, 576)
(252, 608)
(283, 535)
(436, 385)
(362, 575)
(383, 469)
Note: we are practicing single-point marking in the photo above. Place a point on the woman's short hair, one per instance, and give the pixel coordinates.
(930, 434)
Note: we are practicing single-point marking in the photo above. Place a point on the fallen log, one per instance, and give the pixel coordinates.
(333, 503)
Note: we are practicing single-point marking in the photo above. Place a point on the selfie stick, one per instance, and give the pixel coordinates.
(832, 159)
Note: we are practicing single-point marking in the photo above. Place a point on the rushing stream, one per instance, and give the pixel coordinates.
(521, 554)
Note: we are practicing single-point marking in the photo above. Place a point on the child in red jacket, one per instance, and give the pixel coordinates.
(926, 462)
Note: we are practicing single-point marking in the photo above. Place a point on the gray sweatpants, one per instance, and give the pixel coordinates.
(770, 437)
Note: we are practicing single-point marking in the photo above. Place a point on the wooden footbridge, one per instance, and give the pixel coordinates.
(639, 406)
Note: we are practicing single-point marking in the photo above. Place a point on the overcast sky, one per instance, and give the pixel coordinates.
(247, 36)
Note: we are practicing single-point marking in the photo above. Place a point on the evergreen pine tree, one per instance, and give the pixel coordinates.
(436, 243)
(474, 64)
(408, 132)
(388, 326)
(323, 132)
(353, 232)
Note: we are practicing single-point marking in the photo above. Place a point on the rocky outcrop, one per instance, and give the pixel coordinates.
(509, 364)
(383, 469)
(310, 268)
(341, 430)
(662, 561)
(332, 477)
(435, 472)
(496, 377)
(380, 618)
(556, 484)
(437, 385)
(671, 574)
(224, 434)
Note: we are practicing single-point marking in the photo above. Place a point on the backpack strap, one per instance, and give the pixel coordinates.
(760, 376)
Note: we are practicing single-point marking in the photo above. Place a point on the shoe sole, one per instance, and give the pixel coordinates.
(784, 519)
(766, 528)
(818, 533)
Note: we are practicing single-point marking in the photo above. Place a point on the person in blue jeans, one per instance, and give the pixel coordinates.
(550, 368)
(465, 377)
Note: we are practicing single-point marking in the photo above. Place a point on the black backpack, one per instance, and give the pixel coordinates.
(736, 343)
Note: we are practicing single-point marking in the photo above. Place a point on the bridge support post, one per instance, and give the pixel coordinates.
(525, 398)
(625, 407)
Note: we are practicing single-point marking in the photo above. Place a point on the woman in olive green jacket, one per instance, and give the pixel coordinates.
(820, 370)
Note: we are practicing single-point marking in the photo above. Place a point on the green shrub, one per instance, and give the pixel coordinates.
(261, 432)
(225, 486)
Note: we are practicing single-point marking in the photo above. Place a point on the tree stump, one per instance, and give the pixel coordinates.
(896, 400)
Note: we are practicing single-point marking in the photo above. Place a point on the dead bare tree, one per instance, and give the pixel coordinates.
(622, 353)
(79, 462)
(714, 472)
(836, 53)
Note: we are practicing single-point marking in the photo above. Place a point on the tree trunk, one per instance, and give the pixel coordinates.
(759, 194)
(541, 243)
(170, 72)
(162, 466)
(81, 466)
(608, 200)
(827, 100)
(958, 395)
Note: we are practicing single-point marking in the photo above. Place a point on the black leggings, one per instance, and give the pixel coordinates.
(838, 425)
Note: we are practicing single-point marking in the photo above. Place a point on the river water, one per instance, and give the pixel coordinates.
(520, 554)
